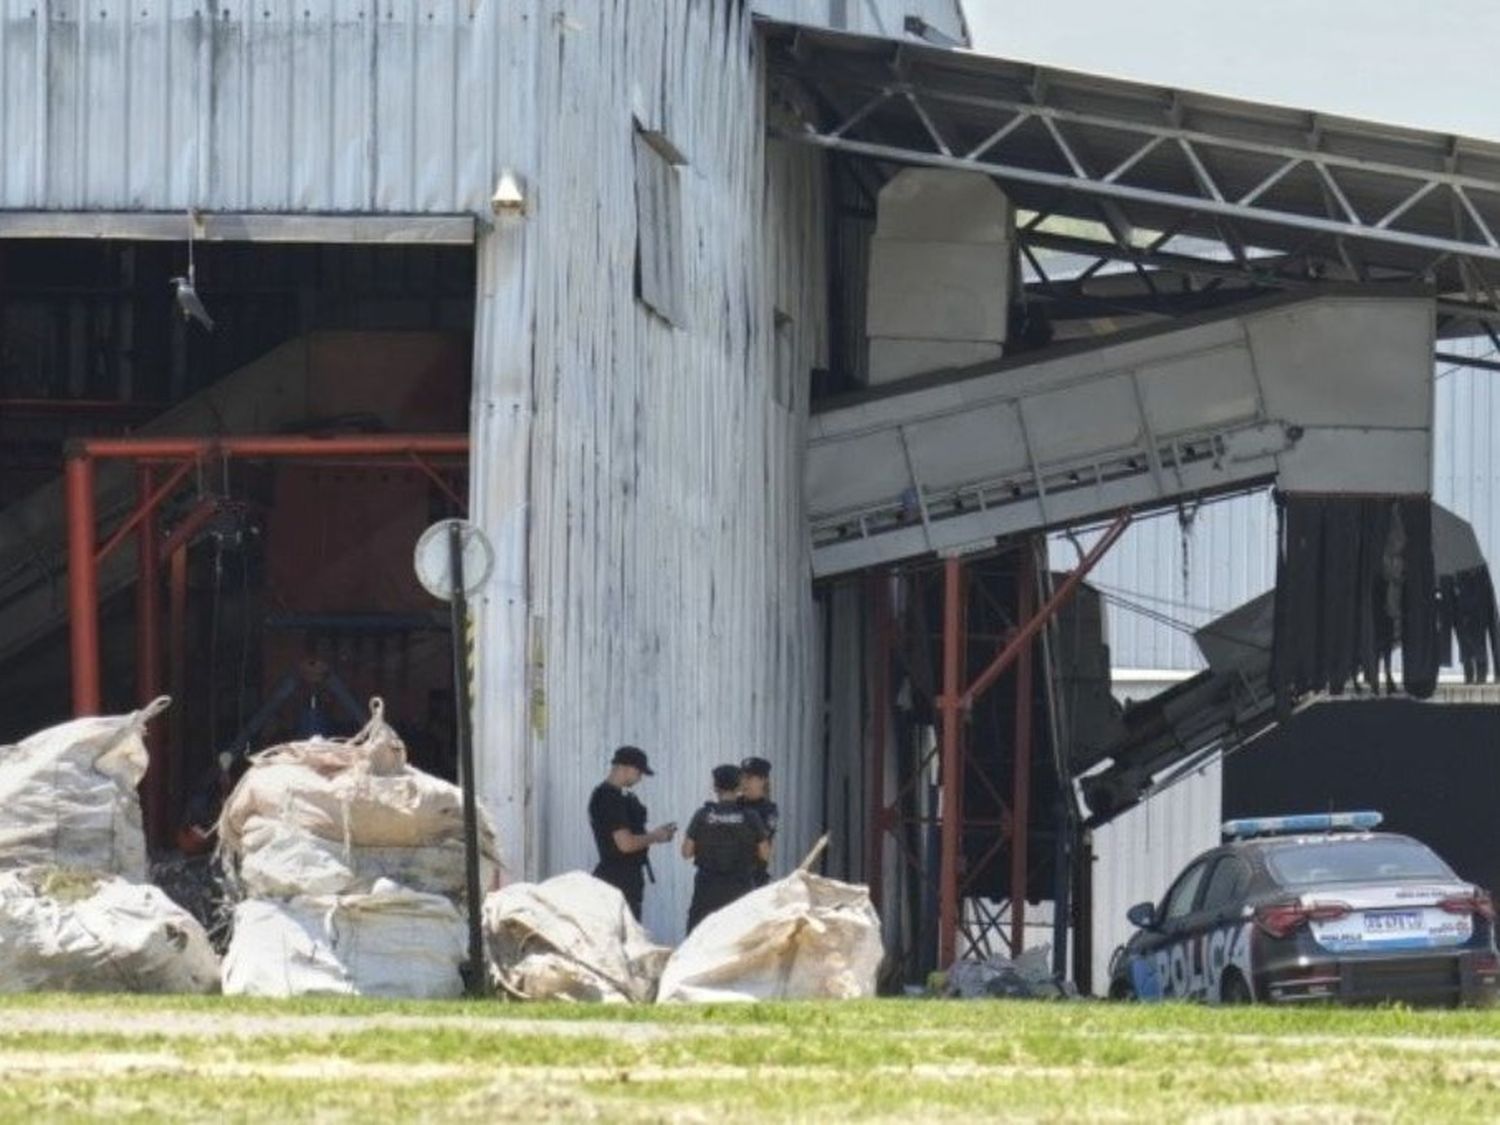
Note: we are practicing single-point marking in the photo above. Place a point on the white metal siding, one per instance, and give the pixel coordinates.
(669, 577)
(869, 17)
(641, 483)
(275, 105)
(1230, 550)
(1139, 854)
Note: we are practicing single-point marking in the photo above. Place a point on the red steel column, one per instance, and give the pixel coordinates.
(177, 623)
(83, 584)
(1020, 802)
(148, 645)
(952, 762)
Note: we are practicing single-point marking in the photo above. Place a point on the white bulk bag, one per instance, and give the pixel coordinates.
(387, 819)
(392, 942)
(72, 931)
(800, 938)
(280, 860)
(68, 795)
(570, 938)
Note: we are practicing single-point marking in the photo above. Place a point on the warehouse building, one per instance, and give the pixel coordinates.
(730, 324)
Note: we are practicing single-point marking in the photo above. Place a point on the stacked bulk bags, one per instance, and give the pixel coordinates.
(76, 912)
(351, 865)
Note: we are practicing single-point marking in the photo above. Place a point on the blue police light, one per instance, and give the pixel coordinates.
(1365, 821)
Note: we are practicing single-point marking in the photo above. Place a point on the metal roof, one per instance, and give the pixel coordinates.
(1284, 198)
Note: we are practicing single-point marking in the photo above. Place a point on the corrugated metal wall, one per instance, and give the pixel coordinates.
(343, 105)
(1139, 854)
(869, 17)
(1166, 576)
(670, 595)
(641, 481)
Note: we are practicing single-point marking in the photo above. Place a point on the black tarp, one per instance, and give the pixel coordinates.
(1433, 769)
(1355, 579)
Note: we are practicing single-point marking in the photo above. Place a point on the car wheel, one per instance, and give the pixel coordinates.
(1233, 989)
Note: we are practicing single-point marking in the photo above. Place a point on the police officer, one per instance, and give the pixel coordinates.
(726, 841)
(755, 794)
(619, 822)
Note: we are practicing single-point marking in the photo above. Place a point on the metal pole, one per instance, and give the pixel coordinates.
(1030, 628)
(1062, 894)
(148, 649)
(459, 607)
(1020, 801)
(145, 507)
(177, 583)
(952, 763)
(1083, 915)
(273, 446)
(83, 584)
(880, 708)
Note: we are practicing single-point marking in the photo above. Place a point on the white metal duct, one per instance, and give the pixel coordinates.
(1329, 394)
(940, 268)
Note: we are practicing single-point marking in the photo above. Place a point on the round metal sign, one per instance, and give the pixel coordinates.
(433, 565)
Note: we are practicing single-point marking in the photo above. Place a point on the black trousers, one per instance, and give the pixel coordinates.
(629, 879)
(714, 892)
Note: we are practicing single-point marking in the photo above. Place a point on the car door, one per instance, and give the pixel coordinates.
(1158, 970)
(1178, 921)
(1218, 933)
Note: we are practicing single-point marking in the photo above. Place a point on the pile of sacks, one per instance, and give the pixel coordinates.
(76, 912)
(350, 866)
(573, 937)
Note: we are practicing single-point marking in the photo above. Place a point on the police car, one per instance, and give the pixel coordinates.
(1318, 907)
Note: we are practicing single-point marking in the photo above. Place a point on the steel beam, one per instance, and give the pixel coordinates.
(1020, 804)
(879, 586)
(83, 585)
(148, 648)
(954, 621)
(177, 591)
(1090, 186)
(277, 447)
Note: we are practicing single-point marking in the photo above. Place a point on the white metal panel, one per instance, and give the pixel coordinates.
(275, 105)
(869, 17)
(1138, 855)
(1167, 576)
(666, 569)
(1328, 394)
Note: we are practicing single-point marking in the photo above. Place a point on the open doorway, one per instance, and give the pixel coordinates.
(297, 597)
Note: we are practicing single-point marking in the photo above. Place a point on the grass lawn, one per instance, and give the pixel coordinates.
(214, 1059)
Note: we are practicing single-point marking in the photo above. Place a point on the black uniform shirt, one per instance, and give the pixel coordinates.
(766, 809)
(611, 809)
(725, 835)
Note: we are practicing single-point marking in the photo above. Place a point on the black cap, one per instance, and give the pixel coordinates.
(756, 767)
(726, 777)
(633, 756)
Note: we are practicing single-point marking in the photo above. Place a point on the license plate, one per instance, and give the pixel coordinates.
(1393, 922)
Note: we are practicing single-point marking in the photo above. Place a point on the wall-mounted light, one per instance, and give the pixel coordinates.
(508, 199)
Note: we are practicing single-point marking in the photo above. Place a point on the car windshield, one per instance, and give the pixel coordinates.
(1353, 861)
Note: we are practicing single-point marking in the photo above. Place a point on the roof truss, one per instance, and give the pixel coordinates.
(1263, 197)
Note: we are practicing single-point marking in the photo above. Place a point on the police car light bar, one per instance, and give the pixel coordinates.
(1306, 822)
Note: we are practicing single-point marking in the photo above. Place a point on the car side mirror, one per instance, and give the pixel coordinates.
(1142, 916)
